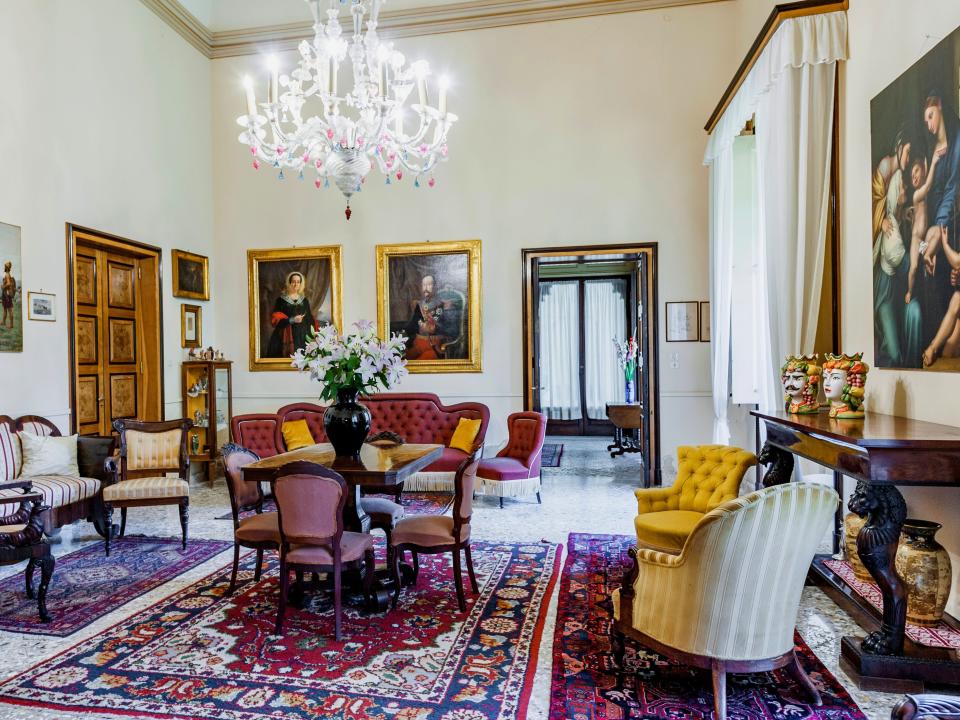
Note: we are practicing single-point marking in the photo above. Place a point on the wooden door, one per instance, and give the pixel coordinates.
(111, 309)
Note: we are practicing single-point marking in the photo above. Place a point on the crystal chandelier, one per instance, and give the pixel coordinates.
(351, 130)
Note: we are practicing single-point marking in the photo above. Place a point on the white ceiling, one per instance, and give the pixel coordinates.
(220, 15)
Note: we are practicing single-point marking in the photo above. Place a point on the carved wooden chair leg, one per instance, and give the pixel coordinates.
(473, 576)
(46, 573)
(539, 501)
(184, 519)
(501, 503)
(719, 690)
(282, 600)
(337, 600)
(233, 573)
(28, 576)
(259, 569)
(108, 522)
(395, 574)
(458, 580)
(803, 680)
(123, 521)
(369, 575)
(416, 566)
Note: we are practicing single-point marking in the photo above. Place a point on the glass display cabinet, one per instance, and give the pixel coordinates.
(208, 401)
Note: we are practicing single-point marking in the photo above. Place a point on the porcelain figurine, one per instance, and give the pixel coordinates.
(801, 377)
(844, 381)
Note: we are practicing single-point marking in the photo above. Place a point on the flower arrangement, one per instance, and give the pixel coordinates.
(627, 356)
(357, 362)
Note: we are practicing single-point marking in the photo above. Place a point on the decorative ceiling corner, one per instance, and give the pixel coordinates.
(409, 22)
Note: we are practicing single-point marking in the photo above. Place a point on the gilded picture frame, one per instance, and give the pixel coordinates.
(282, 309)
(432, 293)
(191, 275)
(191, 326)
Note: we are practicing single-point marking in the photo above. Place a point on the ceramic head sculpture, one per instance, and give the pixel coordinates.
(844, 381)
(801, 376)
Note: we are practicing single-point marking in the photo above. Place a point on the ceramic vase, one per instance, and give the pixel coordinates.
(851, 529)
(628, 391)
(347, 423)
(925, 568)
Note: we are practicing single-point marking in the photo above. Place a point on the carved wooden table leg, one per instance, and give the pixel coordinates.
(46, 573)
(885, 511)
(780, 462)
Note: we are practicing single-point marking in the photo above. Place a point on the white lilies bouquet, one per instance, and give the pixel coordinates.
(358, 361)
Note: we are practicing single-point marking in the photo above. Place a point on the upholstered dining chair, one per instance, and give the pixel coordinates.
(707, 477)
(515, 471)
(260, 531)
(310, 500)
(148, 451)
(728, 602)
(432, 534)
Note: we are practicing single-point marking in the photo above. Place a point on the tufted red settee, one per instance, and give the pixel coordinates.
(416, 417)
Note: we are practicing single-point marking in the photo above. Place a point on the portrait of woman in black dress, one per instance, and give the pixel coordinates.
(292, 319)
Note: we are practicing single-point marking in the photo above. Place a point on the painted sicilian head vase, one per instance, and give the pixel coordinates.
(844, 381)
(801, 376)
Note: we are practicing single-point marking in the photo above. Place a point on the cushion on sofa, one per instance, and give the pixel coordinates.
(48, 455)
(465, 435)
(10, 456)
(60, 490)
(296, 434)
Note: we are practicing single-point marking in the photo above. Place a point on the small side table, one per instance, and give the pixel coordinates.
(629, 418)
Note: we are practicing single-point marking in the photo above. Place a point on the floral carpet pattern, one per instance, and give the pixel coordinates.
(198, 654)
(87, 585)
(585, 685)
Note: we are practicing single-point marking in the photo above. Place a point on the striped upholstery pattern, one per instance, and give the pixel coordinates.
(153, 450)
(148, 488)
(35, 428)
(10, 455)
(60, 490)
(734, 590)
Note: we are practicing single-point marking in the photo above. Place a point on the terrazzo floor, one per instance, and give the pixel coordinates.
(588, 493)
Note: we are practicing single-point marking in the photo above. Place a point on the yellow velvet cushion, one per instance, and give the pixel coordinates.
(667, 530)
(710, 475)
(465, 435)
(296, 434)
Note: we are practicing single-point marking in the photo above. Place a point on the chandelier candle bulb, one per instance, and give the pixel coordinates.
(251, 99)
(274, 65)
(442, 103)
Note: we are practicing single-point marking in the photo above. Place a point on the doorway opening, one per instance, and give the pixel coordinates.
(116, 325)
(577, 301)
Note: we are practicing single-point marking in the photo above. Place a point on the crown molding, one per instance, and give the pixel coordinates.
(456, 17)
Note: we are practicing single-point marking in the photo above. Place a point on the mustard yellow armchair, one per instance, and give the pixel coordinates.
(728, 602)
(708, 476)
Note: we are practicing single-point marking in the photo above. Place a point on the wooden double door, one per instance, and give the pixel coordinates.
(116, 332)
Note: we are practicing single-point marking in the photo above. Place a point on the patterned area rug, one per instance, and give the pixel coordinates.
(87, 585)
(939, 635)
(198, 655)
(551, 455)
(586, 686)
(414, 503)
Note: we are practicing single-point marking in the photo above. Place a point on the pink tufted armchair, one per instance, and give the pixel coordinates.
(515, 471)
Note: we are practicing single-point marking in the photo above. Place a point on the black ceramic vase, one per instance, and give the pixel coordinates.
(347, 423)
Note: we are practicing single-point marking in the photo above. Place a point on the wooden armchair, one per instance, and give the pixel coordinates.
(21, 538)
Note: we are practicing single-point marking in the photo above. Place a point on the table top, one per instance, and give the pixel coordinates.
(625, 416)
(876, 430)
(375, 466)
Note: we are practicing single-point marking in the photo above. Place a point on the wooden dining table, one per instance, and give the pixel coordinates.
(377, 467)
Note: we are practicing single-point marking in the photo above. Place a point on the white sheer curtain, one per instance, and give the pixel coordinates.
(604, 318)
(790, 91)
(560, 350)
(721, 287)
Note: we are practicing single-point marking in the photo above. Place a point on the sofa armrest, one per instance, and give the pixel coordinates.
(92, 452)
(24, 484)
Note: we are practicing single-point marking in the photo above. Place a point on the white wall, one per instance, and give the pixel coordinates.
(886, 37)
(105, 123)
(575, 132)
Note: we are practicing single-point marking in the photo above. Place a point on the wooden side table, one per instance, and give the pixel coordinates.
(629, 418)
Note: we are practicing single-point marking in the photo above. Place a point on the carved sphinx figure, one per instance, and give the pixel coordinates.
(801, 376)
(844, 381)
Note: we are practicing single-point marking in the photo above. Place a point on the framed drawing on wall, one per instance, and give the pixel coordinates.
(191, 277)
(11, 293)
(42, 306)
(704, 321)
(191, 326)
(683, 320)
(291, 292)
(430, 292)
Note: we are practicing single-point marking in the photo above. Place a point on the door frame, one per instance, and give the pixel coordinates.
(136, 249)
(649, 392)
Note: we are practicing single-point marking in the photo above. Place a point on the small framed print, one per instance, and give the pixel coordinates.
(42, 306)
(190, 326)
(704, 321)
(683, 321)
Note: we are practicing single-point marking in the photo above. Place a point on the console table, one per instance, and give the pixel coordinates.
(881, 452)
(629, 417)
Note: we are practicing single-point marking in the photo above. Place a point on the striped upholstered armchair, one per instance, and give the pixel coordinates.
(729, 600)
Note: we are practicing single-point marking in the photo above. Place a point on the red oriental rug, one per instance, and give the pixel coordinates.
(585, 685)
(87, 585)
(197, 654)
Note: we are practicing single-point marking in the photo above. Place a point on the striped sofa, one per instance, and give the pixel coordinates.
(69, 498)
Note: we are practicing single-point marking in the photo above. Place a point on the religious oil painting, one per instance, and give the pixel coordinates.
(430, 292)
(11, 292)
(292, 292)
(191, 278)
(915, 234)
